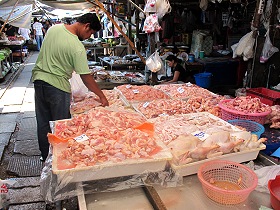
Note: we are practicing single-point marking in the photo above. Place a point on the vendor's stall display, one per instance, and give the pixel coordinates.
(135, 77)
(199, 137)
(183, 91)
(274, 117)
(134, 93)
(227, 182)
(92, 100)
(244, 107)
(248, 125)
(155, 108)
(105, 143)
(118, 77)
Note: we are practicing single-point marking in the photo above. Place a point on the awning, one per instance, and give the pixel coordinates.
(68, 5)
(21, 15)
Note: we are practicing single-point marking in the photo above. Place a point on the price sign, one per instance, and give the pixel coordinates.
(201, 135)
(128, 86)
(146, 104)
(135, 91)
(81, 138)
(180, 90)
(163, 114)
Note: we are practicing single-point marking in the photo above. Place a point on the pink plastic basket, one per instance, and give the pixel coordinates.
(221, 170)
(229, 114)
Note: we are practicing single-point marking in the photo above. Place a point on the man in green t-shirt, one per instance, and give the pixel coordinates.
(62, 53)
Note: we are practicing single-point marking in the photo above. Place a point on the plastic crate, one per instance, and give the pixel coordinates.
(267, 96)
(253, 127)
(273, 140)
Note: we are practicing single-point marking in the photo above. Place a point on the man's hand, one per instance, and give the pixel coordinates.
(92, 86)
(104, 101)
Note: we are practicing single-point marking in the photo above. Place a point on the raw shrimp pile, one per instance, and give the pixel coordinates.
(247, 105)
(103, 135)
(134, 93)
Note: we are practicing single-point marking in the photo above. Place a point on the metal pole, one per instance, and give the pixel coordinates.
(118, 27)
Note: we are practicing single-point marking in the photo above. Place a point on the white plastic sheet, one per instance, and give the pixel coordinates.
(264, 175)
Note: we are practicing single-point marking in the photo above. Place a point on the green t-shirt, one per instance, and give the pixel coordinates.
(61, 54)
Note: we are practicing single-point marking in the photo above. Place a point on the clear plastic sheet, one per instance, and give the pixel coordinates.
(60, 187)
(64, 177)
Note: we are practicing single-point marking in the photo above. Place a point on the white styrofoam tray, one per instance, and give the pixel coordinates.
(113, 169)
(239, 157)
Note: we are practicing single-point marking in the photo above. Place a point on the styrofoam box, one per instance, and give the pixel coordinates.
(239, 157)
(112, 169)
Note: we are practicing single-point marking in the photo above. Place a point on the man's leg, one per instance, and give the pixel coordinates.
(50, 104)
(38, 42)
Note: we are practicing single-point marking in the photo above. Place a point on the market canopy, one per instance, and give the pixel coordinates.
(19, 12)
(19, 16)
(68, 5)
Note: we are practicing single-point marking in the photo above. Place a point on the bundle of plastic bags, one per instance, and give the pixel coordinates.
(151, 24)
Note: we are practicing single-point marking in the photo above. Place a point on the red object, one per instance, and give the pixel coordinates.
(274, 189)
(267, 96)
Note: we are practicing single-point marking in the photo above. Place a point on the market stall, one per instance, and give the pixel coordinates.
(172, 117)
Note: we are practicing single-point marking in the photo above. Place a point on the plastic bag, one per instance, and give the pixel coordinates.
(78, 89)
(245, 47)
(154, 63)
(151, 24)
(34, 42)
(268, 49)
(264, 175)
(150, 6)
(162, 7)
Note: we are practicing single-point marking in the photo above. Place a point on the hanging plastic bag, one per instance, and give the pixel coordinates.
(203, 4)
(151, 24)
(154, 62)
(162, 7)
(150, 6)
(78, 89)
(245, 47)
(268, 49)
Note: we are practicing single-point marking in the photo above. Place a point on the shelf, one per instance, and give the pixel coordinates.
(124, 66)
(3, 64)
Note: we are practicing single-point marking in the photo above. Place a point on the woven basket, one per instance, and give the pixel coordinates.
(229, 114)
(230, 172)
(253, 127)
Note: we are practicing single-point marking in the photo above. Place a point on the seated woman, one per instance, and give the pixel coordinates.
(178, 71)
